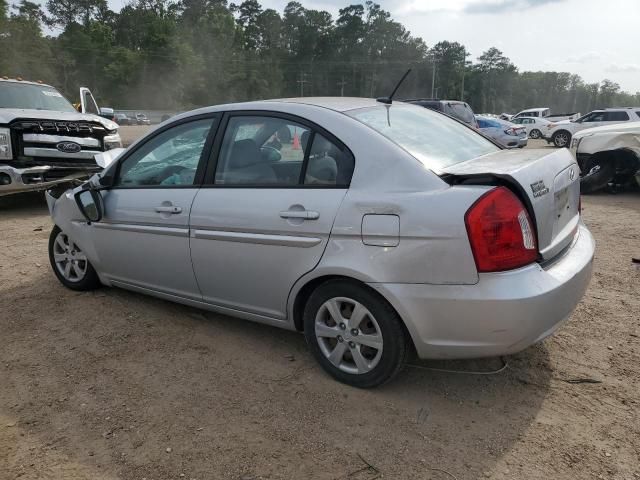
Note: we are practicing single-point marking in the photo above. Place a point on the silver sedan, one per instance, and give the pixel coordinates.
(375, 229)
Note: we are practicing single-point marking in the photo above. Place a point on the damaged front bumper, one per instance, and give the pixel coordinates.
(29, 179)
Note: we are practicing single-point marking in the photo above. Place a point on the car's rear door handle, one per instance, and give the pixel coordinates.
(168, 209)
(304, 214)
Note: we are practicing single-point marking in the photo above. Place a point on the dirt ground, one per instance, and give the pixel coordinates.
(115, 385)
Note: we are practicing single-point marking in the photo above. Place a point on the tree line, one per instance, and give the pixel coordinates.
(181, 54)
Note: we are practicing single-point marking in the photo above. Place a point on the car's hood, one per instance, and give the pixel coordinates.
(8, 115)
(562, 122)
(627, 127)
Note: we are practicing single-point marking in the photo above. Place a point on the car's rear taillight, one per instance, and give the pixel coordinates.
(500, 232)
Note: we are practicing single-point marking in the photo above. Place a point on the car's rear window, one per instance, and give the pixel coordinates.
(461, 111)
(434, 139)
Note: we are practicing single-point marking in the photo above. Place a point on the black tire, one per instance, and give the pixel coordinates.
(535, 134)
(559, 137)
(395, 342)
(596, 175)
(89, 281)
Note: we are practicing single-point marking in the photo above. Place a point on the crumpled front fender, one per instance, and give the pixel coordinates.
(68, 217)
(603, 142)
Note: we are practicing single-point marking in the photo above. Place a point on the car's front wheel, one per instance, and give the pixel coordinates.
(355, 335)
(70, 264)
(561, 139)
(535, 134)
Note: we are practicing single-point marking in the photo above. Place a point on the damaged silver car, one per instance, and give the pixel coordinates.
(376, 228)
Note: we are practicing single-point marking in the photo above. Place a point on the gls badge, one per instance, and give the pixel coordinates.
(539, 188)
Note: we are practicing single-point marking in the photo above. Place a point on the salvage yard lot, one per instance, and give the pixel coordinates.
(115, 385)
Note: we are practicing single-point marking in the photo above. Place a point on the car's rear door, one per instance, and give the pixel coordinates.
(143, 239)
(264, 216)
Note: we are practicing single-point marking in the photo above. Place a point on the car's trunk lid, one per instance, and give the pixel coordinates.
(548, 182)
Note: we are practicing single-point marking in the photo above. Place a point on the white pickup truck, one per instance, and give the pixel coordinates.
(544, 112)
(44, 140)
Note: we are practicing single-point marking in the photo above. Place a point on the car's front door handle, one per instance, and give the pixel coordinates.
(168, 209)
(304, 214)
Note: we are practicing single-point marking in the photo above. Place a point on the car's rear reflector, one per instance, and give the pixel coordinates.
(500, 232)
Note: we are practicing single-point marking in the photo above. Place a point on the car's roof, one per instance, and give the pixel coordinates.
(538, 109)
(339, 104)
(27, 82)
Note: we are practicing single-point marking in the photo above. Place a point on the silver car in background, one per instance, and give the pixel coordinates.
(507, 134)
(375, 229)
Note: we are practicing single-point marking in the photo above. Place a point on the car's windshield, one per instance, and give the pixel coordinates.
(434, 139)
(36, 97)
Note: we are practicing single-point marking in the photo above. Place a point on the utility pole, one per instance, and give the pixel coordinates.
(433, 75)
(302, 82)
(462, 90)
(341, 84)
(373, 83)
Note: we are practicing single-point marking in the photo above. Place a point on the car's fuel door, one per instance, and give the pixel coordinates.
(88, 104)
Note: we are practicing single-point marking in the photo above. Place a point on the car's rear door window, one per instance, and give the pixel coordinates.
(616, 117)
(274, 151)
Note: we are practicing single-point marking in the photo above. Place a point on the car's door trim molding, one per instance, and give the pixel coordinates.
(153, 229)
(256, 238)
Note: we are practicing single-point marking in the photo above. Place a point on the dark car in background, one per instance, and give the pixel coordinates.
(454, 108)
(122, 119)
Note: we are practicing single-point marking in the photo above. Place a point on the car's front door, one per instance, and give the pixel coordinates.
(143, 239)
(266, 216)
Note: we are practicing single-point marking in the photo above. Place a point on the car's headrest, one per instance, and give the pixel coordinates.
(244, 153)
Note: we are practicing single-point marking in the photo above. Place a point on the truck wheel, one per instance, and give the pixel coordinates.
(535, 134)
(561, 138)
(597, 174)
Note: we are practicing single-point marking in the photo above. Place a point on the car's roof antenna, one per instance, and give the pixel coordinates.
(388, 100)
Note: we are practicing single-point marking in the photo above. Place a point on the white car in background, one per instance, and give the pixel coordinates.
(608, 155)
(560, 133)
(536, 127)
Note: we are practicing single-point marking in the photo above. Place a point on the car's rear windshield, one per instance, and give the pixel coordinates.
(35, 97)
(434, 139)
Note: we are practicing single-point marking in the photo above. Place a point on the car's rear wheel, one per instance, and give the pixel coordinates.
(70, 264)
(355, 335)
(535, 134)
(561, 138)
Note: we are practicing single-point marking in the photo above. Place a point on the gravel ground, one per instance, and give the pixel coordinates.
(115, 385)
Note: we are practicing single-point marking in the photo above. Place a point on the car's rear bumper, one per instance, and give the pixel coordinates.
(502, 314)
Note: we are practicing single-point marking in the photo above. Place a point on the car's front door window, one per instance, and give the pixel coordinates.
(169, 159)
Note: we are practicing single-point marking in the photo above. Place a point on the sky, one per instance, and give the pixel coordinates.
(596, 39)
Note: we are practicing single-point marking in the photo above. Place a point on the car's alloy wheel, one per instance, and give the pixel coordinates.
(348, 335)
(70, 264)
(561, 139)
(69, 260)
(355, 335)
(535, 134)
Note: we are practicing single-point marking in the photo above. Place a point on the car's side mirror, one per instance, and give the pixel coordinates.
(90, 204)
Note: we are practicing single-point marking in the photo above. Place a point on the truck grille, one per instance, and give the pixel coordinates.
(41, 142)
(80, 129)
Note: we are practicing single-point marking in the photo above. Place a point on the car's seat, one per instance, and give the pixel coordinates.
(246, 165)
(322, 168)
